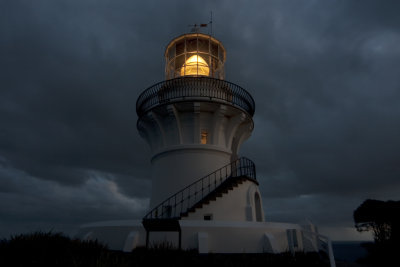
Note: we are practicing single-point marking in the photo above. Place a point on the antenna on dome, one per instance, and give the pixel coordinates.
(196, 27)
(210, 24)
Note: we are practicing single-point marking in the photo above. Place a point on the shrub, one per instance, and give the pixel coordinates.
(54, 249)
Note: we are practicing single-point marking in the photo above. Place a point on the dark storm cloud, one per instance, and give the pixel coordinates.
(72, 72)
(327, 115)
(30, 203)
(324, 75)
(334, 114)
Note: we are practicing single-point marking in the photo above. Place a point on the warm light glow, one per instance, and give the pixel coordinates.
(203, 139)
(195, 65)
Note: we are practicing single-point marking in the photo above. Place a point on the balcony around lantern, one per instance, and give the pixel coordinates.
(198, 88)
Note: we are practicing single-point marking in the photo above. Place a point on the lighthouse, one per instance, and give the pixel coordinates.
(195, 122)
(205, 195)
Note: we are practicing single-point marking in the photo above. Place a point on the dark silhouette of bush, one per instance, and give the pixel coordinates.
(54, 249)
(383, 219)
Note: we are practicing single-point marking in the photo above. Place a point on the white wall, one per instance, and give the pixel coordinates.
(176, 169)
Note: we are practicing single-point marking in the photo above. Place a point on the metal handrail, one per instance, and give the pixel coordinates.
(201, 88)
(176, 205)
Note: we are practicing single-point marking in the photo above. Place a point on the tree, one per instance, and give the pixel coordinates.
(381, 217)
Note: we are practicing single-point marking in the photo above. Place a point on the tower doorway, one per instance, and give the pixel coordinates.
(257, 203)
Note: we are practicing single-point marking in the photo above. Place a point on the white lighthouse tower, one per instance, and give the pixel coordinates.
(195, 122)
(204, 195)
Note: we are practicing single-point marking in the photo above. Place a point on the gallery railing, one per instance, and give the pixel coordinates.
(194, 88)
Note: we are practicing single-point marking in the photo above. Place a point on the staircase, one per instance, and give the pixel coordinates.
(166, 216)
(224, 188)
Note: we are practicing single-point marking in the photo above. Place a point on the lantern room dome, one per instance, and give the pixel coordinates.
(195, 54)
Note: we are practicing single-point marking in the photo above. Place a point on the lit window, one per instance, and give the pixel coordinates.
(203, 139)
(195, 65)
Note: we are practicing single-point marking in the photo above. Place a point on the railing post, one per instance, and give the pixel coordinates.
(209, 183)
(181, 201)
(254, 171)
(147, 239)
(180, 239)
(202, 188)
(175, 206)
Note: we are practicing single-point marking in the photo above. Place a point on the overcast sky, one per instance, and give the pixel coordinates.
(324, 75)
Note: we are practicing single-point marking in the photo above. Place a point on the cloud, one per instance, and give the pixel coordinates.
(28, 202)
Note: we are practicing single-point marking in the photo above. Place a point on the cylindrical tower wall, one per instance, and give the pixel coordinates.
(190, 140)
(175, 169)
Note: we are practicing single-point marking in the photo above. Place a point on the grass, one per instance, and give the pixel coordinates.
(55, 249)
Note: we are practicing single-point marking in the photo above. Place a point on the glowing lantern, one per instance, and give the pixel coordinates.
(195, 65)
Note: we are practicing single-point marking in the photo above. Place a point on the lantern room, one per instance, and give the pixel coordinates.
(195, 54)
